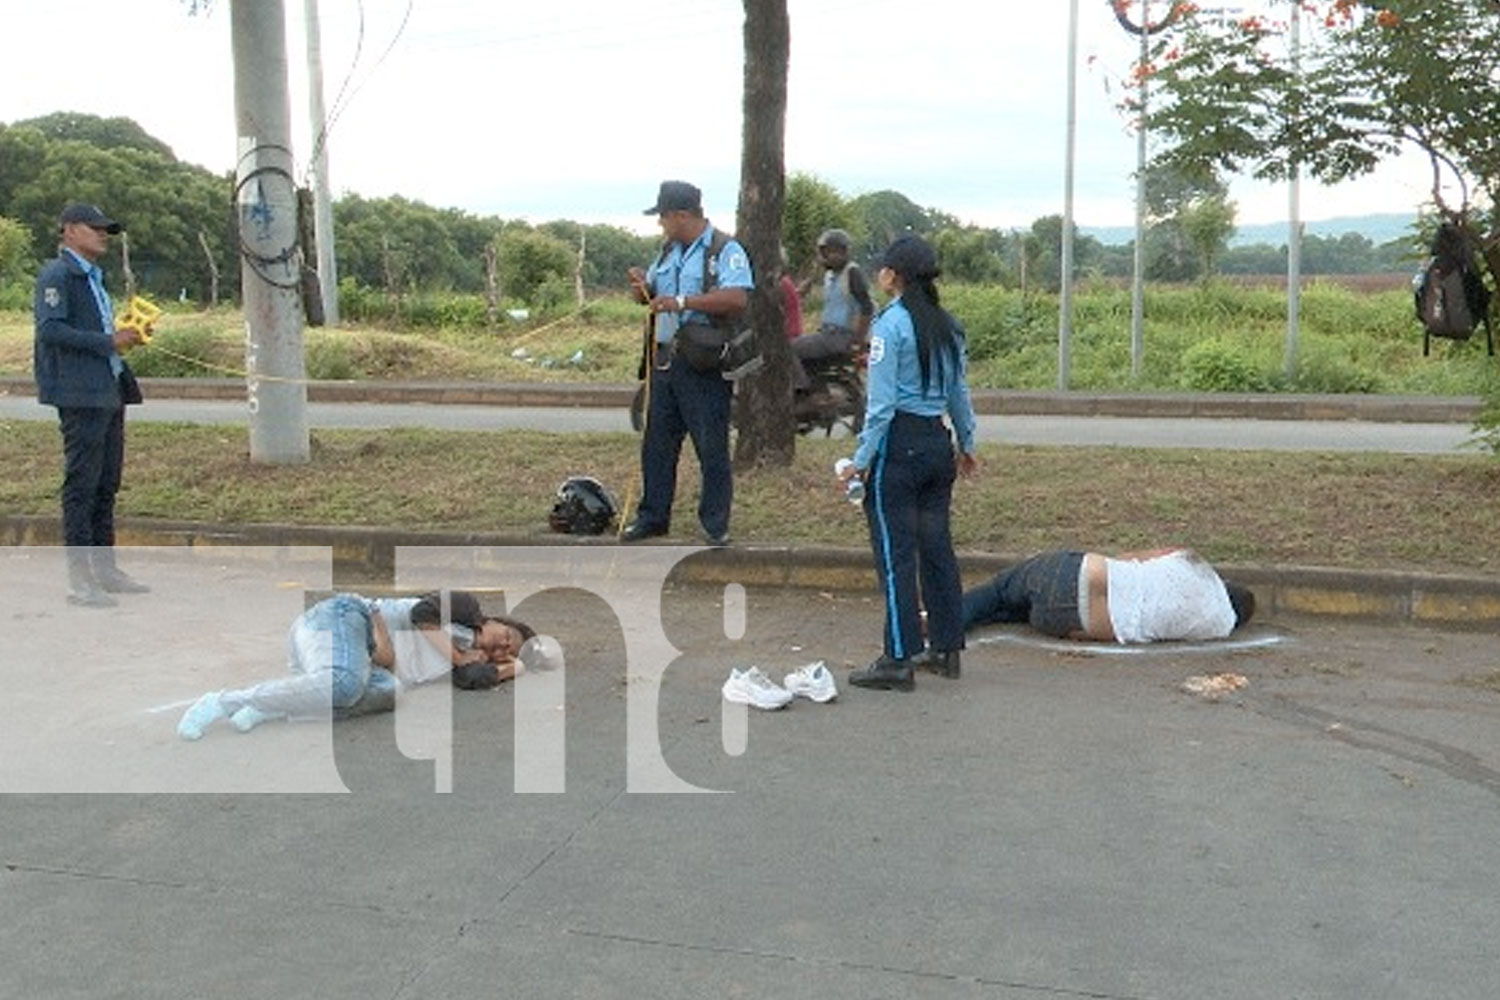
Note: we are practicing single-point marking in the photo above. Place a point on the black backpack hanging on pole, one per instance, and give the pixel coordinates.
(1451, 298)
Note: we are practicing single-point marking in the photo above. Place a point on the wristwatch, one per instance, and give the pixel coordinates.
(681, 303)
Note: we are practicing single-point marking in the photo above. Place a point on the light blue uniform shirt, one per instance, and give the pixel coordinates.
(101, 297)
(680, 272)
(895, 385)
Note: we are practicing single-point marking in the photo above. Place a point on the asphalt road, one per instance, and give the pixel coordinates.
(1271, 435)
(1054, 824)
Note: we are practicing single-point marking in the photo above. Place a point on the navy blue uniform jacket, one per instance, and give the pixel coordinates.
(71, 351)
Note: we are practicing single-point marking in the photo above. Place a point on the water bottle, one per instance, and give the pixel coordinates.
(854, 487)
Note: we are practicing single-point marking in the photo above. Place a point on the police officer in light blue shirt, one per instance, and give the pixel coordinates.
(699, 283)
(79, 370)
(918, 373)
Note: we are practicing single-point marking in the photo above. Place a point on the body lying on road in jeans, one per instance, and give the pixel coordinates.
(1134, 597)
(349, 654)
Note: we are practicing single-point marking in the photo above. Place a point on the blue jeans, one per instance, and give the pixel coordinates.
(1041, 591)
(687, 403)
(329, 659)
(907, 506)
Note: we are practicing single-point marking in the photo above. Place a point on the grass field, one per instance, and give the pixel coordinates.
(1432, 513)
(1220, 337)
(1356, 511)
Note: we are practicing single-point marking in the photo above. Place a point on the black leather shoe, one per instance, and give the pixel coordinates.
(636, 531)
(885, 674)
(90, 595)
(945, 664)
(117, 581)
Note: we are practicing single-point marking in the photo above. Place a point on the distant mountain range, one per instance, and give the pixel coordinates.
(1377, 228)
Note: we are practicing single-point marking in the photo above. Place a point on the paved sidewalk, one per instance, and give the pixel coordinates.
(1051, 825)
(1267, 406)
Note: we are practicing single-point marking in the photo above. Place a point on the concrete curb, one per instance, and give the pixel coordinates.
(363, 554)
(1225, 406)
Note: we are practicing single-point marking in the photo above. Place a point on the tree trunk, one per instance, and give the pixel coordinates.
(491, 284)
(125, 266)
(213, 271)
(767, 430)
(583, 246)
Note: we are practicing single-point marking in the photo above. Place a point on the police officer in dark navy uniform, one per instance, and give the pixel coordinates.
(79, 370)
(684, 400)
(918, 373)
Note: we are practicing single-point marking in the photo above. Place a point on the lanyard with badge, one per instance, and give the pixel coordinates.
(668, 322)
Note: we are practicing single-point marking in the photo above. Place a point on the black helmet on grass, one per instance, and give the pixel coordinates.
(583, 507)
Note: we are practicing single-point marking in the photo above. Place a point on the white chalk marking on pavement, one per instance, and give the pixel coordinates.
(1094, 648)
(170, 706)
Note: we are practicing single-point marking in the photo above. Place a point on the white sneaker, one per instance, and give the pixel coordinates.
(814, 681)
(751, 687)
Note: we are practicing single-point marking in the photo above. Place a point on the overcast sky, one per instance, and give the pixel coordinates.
(577, 108)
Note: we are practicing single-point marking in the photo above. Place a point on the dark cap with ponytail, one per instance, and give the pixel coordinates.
(911, 257)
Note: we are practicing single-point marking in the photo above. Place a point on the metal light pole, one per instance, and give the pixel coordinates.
(270, 259)
(1294, 226)
(1065, 308)
(1138, 283)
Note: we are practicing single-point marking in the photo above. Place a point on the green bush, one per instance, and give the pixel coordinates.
(330, 356)
(188, 352)
(17, 296)
(1324, 366)
(1216, 366)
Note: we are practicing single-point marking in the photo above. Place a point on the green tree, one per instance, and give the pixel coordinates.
(1207, 223)
(1375, 78)
(163, 202)
(609, 251)
(530, 261)
(16, 259)
(812, 205)
(101, 133)
(884, 215)
(969, 254)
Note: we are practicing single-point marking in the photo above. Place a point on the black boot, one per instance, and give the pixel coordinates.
(885, 674)
(944, 664)
(83, 589)
(110, 577)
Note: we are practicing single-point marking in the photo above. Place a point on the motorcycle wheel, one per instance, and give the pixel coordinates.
(852, 414)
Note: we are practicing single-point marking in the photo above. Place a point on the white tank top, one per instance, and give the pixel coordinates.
(1174, 596)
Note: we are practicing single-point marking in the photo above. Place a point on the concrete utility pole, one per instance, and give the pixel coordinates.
(270, 258)
(328, 272)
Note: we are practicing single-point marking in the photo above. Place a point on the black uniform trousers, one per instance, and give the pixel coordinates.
(93, 460)
(687, 403)
(907, 501)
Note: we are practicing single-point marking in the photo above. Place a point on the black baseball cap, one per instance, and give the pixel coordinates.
(676, 196)
(89, 215)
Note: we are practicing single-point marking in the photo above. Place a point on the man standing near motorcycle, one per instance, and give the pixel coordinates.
(847, 308)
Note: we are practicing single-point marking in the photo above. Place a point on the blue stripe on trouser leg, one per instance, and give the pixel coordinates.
(880, 539)
(893, 536)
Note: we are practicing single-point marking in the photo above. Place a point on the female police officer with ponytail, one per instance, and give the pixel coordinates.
(918, 370)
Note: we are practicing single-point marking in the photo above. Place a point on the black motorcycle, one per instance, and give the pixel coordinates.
(835, 397)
